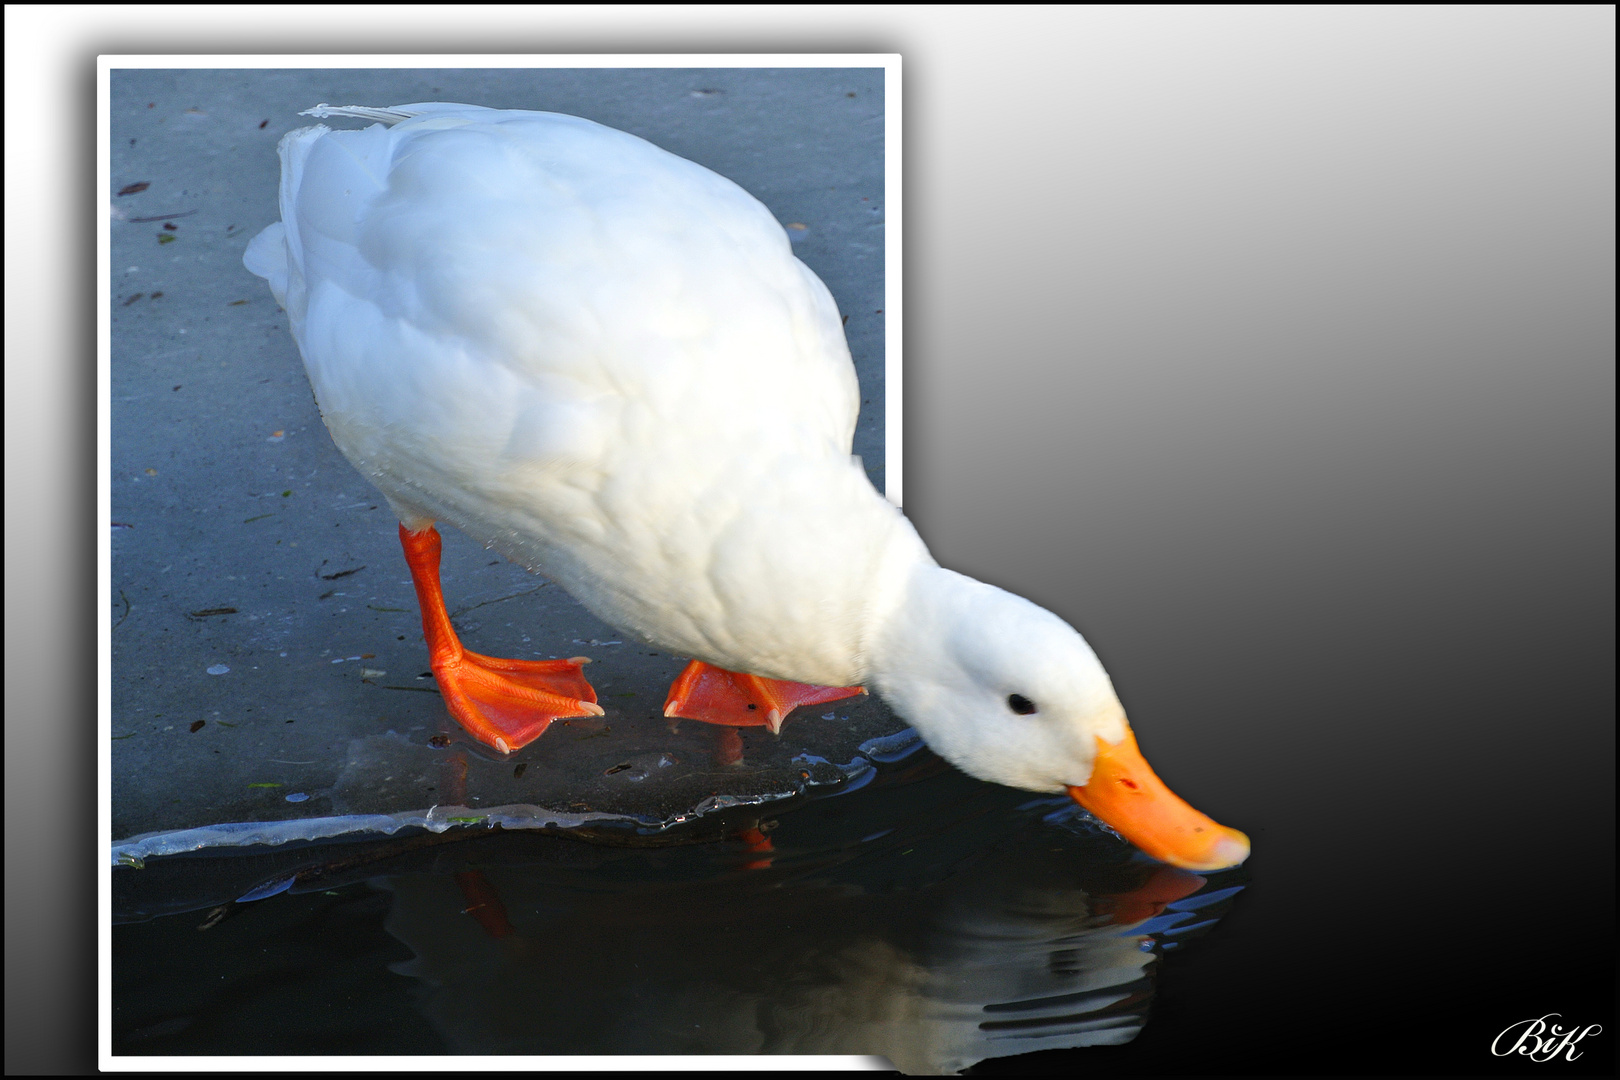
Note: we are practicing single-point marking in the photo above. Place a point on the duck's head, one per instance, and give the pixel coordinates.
(1010, 693)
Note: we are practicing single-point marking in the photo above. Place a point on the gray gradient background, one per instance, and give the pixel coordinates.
(1271, 347)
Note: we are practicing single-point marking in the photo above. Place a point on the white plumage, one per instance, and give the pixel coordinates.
(605, 362)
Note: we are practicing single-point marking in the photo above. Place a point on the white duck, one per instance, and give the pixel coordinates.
(604, 361)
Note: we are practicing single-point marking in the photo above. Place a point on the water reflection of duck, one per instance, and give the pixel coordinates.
(603, 361)
(976, 966)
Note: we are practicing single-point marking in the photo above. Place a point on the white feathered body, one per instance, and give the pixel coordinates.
(604, 362)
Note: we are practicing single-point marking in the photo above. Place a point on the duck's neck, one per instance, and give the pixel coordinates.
(895, 577)
(840, 573)
(912, 635)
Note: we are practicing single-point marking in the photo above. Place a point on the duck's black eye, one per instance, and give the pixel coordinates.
(1020, 704)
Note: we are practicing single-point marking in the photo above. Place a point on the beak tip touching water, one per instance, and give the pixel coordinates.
(1231, 849)
(1129, 797)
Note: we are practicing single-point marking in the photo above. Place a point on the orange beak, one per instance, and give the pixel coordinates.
(1126, 794)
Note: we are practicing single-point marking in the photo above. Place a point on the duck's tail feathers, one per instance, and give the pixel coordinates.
(266, 256)
(393, 114)
(277, 253)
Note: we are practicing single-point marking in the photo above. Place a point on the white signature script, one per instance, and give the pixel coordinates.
(1542, 1041)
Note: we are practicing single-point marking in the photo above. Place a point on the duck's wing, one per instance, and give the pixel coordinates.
(536, 290)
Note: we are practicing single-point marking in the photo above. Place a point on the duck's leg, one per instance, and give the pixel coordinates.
(506, 704)
(717, 696)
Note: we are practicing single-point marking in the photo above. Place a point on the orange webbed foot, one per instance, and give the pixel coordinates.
(717, 696)
(503, 703)
(508, 704)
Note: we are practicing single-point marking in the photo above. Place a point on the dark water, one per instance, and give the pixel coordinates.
(927, 918)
